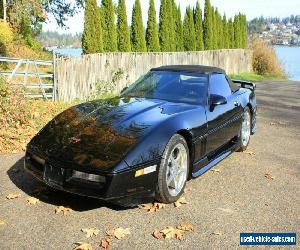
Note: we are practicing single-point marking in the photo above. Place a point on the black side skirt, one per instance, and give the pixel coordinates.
(207, 163)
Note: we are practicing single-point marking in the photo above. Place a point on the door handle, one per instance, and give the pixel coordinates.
(236, 103)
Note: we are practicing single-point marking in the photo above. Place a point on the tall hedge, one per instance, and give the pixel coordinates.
(178, 29)
(219, 28)
(237, 32)
(152, 38)
(109, 27)
(231, 34)
(198, 27)
(92, 34)
(167, 34)
(244, 34)
(189, 37)
(208, 26)
(172, 28)
(123, 33)
(138, 42)
(164, 27)
(225, 32)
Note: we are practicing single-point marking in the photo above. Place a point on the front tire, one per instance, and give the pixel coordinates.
(244, 137)
(173, 171)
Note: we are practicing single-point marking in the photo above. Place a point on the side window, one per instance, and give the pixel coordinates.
(234, 86)
(219, 85)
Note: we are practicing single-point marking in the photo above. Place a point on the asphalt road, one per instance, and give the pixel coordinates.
(222, 204)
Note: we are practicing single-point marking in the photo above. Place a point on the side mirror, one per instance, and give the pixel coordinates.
(217, 100)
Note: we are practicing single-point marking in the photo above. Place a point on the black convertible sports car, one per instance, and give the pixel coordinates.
(173, 124)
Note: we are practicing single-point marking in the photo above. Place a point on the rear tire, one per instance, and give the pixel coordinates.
(173, 170)
(245, 132)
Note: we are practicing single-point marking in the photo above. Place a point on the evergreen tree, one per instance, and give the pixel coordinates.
(123, 33)
(109, 27)
(164, 27)
(243, 29)
(225, 33)
(152, 38)
(214, 29)
(189, 37)
(178, 29)
(92, 38)
(172, 28)
(198, 27)
(231, 34)
(208, 26)
(237, 32)
(138, 42)
(220, 35)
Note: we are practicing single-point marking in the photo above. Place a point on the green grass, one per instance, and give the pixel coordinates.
(253, 77)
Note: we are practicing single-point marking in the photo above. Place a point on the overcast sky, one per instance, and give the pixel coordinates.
(252, 8)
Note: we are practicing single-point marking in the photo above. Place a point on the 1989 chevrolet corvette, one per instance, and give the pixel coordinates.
(171, 125)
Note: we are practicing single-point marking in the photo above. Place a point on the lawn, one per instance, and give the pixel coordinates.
(253, 77)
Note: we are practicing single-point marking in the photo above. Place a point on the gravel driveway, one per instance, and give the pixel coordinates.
(238, 198)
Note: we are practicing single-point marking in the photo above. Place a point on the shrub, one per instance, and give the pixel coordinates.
(20, 118)
(6, 37)
(265, 61)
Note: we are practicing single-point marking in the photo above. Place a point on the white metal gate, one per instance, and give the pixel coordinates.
(36, 76)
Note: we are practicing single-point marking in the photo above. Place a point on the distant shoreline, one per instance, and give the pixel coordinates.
(282, 45)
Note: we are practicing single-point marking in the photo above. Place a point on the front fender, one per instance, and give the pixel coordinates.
(150, 148)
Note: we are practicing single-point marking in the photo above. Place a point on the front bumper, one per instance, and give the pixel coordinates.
(121, 188)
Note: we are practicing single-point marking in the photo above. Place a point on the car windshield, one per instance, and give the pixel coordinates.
(170, 86)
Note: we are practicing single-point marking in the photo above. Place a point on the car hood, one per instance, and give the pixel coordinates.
(99, 134)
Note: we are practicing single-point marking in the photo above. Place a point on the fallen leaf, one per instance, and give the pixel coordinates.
(83, 246)
(187, 190)
(110, 232)
(64, 210)
(269, 176)
(146, 206)
(90, 232)
(159, 205)
(156, 234)
(216, 233)
(180, 201)
(105, 243)
(32, 201)
(151, 208)
(186, 227)
(249, 153)
(13, 196)
(215, 170)
(119, 232)
(172, 233)
(2, 222)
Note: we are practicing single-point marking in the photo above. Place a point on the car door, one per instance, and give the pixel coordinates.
(223, 120)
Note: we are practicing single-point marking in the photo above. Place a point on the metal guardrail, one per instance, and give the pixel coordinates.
(40, 85)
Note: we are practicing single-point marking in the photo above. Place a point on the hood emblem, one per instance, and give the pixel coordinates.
(75, 139)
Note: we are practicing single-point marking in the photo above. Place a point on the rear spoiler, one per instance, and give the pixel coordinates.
(245, 84)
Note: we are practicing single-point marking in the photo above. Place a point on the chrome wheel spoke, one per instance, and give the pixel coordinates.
(246, 125)
(177, 170)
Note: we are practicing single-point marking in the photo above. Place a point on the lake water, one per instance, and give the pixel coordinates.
(289, 56)
(69, 52)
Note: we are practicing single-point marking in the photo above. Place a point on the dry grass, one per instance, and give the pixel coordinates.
(21, 119)
(265, 61)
